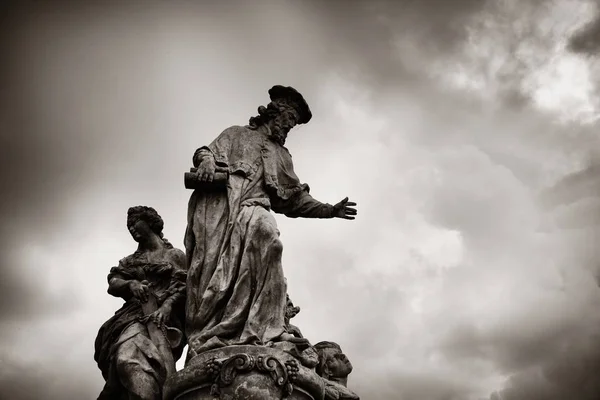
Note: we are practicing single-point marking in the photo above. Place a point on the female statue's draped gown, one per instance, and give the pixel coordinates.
(124, 350)
(236, 290)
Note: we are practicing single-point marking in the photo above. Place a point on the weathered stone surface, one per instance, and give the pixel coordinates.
(244, 373)
(137, 348)
(334, 367)
(237, 313)
(236, 290)
(290, 312)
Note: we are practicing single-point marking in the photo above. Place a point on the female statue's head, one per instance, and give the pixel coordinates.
(143, 223)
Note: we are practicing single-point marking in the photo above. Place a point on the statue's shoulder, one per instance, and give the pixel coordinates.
(128, 260)
(235, 132)
(237, 129)
(177, 255)
(126, 268)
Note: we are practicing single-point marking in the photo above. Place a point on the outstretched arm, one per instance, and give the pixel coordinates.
(303, 205)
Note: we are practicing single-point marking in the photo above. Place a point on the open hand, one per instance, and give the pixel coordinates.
(139, 290)
(344, 209)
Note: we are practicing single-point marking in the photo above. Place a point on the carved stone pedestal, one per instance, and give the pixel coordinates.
(244, 373)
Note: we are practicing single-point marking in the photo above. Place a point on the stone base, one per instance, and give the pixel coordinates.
(244, 373)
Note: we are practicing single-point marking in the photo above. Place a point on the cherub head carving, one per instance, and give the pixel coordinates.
(333, 363)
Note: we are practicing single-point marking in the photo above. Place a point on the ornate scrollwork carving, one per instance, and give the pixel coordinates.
(224, 372)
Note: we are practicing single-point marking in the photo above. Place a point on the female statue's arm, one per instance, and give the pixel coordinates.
(121, 284)
(175, 299)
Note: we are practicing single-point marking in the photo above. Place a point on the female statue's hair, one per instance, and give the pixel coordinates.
(151, 217)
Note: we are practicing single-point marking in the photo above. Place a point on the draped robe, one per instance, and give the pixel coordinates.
(124, 350)
(236, 289)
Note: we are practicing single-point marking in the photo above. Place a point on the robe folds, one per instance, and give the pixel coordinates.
(124, 350)
(236, 289)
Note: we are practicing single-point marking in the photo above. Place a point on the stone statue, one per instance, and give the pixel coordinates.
(241, 342)
(236, 291)
(298, 346)
(334, 367)
(290, 312)
(137, 348)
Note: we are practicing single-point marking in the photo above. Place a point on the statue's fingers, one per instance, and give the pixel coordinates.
(348, 217)
(351, 204)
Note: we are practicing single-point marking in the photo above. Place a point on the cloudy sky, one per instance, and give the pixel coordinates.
(459, 127)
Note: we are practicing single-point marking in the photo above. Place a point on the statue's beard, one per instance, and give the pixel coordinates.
(278, 135)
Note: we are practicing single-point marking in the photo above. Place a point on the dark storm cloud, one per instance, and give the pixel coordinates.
(31, 381)
(587, 39)
(409, 386)
(40, 163)
(31, 172)
(57, 111)
(54, 158)
(363, 36)
(572, 373)
(46, 144)
(566, 364)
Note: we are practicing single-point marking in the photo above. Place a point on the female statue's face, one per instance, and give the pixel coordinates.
(140, 231)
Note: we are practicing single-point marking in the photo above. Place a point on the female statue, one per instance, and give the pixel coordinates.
(137, 348)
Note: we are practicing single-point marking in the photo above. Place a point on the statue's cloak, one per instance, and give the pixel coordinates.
(236, 287)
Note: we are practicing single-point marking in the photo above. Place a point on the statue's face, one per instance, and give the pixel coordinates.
(285, 121)
(338, 364)
(140, 231)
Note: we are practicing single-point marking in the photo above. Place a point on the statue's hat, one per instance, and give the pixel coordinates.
(292, 97)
